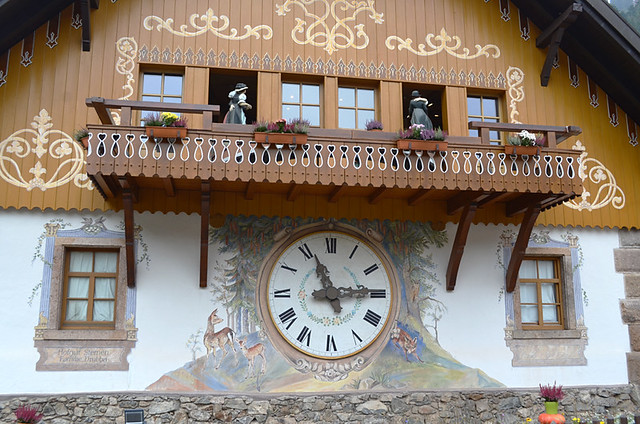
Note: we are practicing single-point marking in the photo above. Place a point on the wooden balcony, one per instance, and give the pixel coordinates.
(470, 174)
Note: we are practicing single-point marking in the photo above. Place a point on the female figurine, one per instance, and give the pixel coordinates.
(418, 111)
(237, 105)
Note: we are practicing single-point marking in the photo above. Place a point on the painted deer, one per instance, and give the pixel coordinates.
(250, 353)
(403, 340)
(219, 339)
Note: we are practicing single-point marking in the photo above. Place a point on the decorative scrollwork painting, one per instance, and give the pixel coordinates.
(329, 29)
(25, 149)
(442, 43)
(208, 19)
(515, 78)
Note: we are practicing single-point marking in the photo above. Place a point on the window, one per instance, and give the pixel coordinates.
(89, 296)
(162, 87)
(540, 294)
(484, 109)
(356, 106)
(301, 101)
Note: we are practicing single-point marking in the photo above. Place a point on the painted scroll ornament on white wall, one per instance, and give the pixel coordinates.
(29, 147)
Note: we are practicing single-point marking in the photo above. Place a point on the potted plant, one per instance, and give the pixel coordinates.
(524, 143)
(27, 414)
(282, 132)
(551, 395)
(417, 137)
(82, 137)
(165, 125)
(373, 125)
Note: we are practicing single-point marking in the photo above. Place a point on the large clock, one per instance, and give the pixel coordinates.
(328, 294)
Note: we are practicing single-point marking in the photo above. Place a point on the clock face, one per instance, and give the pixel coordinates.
(329, 294)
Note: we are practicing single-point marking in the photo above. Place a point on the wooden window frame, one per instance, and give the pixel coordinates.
(498, 98)
(301, 104)
(163, 73)
(88, 323)
(356, 108)
(557, 281)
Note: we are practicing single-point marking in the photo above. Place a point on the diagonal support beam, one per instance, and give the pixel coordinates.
(205, 208)
(420, 195)
(129, 232)
(337, 193)
(462, 199)
(552, 36)
(459, 242)
(520, 247)
(294, 192)
(377, 195)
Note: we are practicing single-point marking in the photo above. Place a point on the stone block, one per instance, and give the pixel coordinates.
(629, 237)
(632, 285)
(626, 259)
(633, 367)
(634, 337)
(630, 311)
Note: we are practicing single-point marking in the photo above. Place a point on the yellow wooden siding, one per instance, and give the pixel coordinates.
(59, 80)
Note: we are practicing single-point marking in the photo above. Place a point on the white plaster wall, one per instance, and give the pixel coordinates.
(171, 306)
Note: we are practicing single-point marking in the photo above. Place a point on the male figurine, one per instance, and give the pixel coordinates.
(237, 105)
(418, 110)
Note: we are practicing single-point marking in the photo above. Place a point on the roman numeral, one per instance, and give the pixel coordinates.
(287, 315)
(283, 293)
(288, 268)
(332, 244)
(372, 268)
(305, 251)
(372, 318)
(378, 293)
(356, 338)
(353, 252)
(331, 344)
(304, 334)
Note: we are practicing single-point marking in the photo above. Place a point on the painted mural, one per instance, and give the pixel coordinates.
(231, 350)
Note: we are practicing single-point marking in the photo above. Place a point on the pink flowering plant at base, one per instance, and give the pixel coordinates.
(27, 414)
(295, 126)
(551, 393)
(164, 119)
(419, 132)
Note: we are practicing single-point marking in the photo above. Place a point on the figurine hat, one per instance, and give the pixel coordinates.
(415, 93)
(241, 86)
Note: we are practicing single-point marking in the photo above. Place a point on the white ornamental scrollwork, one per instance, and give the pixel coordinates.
(515, 78)
(208, 20)
(442, 43)
(332, 37)
(26, 144)
(329, 371)
(608, 190)
(127, 47)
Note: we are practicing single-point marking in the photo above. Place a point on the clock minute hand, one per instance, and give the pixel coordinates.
(360, 292)
(323, 273)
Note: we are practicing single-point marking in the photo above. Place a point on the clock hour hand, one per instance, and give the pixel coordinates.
(330, 293)
(323, 273)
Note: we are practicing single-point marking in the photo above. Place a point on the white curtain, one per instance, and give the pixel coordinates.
(549, 312)
(104, 293)
(78, 289)
(529, 294)
(105, 288)
(528, 269)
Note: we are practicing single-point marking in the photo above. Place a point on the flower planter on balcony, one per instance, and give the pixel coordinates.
(280, 138)
(424, 145)
(166, 132)
(522, 150)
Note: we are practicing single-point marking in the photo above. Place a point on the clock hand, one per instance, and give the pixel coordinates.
(323, 273)
(360, 292)
(332, 295)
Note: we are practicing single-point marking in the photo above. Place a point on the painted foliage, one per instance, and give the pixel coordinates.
(231, 352)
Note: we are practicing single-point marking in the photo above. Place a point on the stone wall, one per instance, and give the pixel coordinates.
(627, 262)
(499, 406)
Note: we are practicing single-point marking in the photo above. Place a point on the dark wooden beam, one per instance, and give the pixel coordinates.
(169, 187)
(86, 25)
(377, 195)
(520, 247)
(419, 196)
(205, 208)
(129, 233)
(133, 185)
(104, 113)
(557, 201)
(104, 186)
(250, 190)
(462, 199)
(523, 202)
(492, 198)
(552, 37)
(294, 192)
(458, 244)
(95, 4)
(337, 193)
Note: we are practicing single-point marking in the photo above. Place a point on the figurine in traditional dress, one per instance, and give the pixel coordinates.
(418, 111)
(237, 105)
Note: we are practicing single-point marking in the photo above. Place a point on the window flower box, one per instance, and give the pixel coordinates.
(280, 138)
(424, 145)
(166, 132)
(522, 150)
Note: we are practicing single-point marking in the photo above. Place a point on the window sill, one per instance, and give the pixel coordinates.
(547, 334)
(536, 348)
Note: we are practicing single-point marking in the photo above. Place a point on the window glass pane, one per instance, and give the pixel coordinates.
(151, 98)
(363, 117)
(347, 98)
(105, 288)
(548, 293)
(103, 310)
(494, 135)
(78, 287)
(347, 118)
(473, 106)
(550, 314)
(152, 83)
(528, 293)
(290, 93)
(80, 261)
(529, 314)
(106, 262)
(311, 94)
(546, 269)
(312, 114)
(290, 112)
(473, 133)
(365, 99)
(489, 107)
(173, 85)
(76, 310)
(172, 100)
(527, 269)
